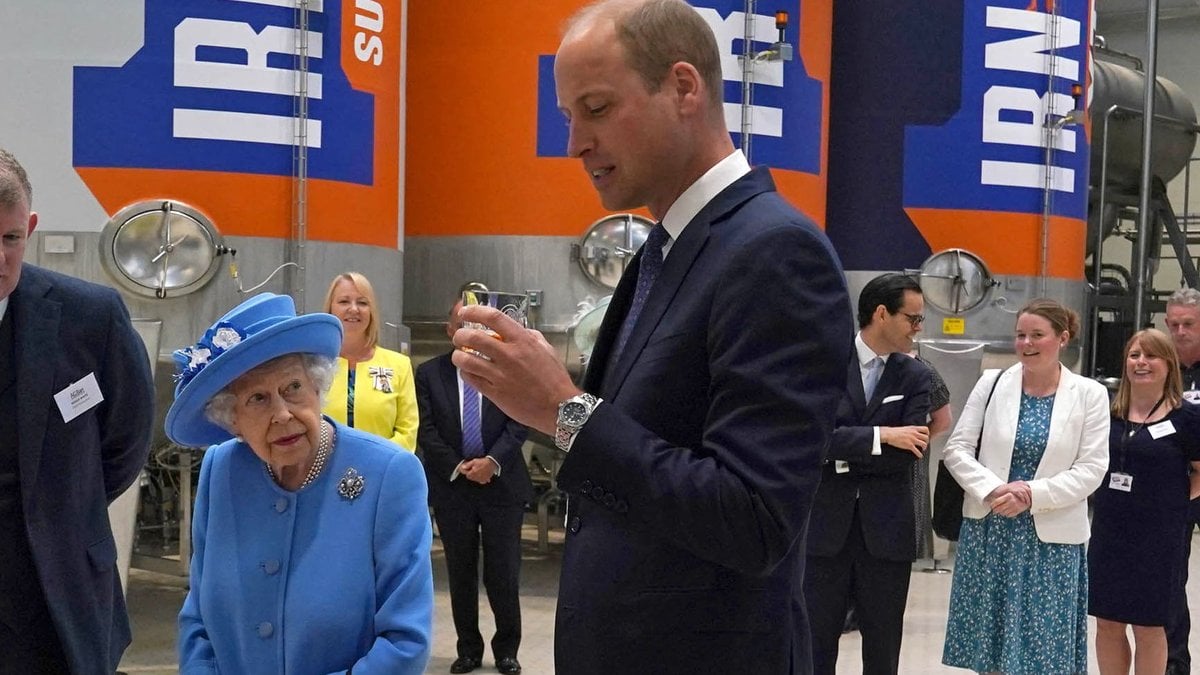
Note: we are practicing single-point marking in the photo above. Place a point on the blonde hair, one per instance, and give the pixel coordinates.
(1153, 343)
(364, 286)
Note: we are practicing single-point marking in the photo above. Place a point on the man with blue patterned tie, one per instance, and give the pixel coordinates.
(695, 443)
(478, 486)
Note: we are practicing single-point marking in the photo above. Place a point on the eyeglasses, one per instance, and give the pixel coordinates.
(914, 320)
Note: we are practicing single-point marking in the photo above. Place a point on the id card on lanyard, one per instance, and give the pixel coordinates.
(1121, 476)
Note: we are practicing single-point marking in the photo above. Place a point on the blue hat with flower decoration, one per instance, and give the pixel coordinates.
(262, 328)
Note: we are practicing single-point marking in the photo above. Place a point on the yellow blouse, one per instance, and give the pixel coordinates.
(385, 397)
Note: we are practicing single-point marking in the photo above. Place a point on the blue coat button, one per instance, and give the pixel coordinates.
(265, 630)
(585, 486)
(281, 505)
(271, 566)
(598, 493)
(573, 526)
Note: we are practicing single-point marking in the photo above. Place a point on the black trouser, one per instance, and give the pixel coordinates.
(28, 640)
(880, 591)
(1179, 626)
(460, 528)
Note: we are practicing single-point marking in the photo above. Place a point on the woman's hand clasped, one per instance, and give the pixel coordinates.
(1010, 499)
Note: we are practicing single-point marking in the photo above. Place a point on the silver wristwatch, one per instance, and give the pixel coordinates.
(572, 414)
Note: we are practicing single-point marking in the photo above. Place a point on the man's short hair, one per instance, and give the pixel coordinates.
(657, 34)
(1185, 297)
(14, 182)
(887, 290)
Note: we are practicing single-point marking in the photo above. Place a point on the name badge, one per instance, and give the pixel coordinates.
(1121, 481)
(841, 467)
(1163, 428)
(79, 397)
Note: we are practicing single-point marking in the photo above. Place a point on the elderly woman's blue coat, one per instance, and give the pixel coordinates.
(309, 581)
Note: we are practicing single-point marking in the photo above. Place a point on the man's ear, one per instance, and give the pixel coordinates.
(881, 313)
(685, 81)
(32, 222)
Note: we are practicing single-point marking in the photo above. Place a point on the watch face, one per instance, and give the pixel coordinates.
(574, 413)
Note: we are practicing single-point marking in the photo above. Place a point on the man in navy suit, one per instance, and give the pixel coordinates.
(478, 483)
(1183, 320)
(77, 407)
(694, 449)
(861, 544)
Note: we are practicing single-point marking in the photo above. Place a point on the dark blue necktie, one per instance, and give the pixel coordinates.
(651, 265)
(472, 431)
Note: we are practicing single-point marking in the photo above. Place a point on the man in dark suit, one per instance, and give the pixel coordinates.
(694, 450)
(478, 482)
(1183, 322)
(78, 405)
(861, 544)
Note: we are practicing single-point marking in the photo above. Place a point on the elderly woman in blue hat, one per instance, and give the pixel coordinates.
(310, 539)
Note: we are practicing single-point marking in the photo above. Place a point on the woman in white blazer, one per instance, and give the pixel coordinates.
(1018, 603)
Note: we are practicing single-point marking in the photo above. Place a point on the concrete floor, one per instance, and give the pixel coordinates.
(154, 600)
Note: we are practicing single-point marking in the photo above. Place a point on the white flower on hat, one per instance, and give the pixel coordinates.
(226, 337)
(199, 357)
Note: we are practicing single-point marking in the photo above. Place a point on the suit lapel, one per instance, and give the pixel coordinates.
(1065, 400)
(675, 268)
(891, 373)
(618, 307)
(36, 337)
(448, 377)
(678, 263)
(1006, 401)
(854, 386)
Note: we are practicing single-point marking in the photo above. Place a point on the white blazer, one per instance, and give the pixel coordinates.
(1072, 467)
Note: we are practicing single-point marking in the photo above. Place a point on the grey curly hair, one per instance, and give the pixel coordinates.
(320, 369)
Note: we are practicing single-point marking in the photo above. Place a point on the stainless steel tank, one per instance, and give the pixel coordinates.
(1114, 84)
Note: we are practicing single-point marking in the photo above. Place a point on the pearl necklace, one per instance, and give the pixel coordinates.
(324, 448)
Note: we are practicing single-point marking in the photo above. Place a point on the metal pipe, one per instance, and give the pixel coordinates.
(299, 239)
(748, 76)
(1144, 215)
(1097, 250)
(1049, 132)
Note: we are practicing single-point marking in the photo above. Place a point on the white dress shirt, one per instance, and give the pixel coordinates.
(722, 174)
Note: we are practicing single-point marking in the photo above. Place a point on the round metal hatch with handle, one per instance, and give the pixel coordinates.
(160, 247)
(955, 280)
(608, 246)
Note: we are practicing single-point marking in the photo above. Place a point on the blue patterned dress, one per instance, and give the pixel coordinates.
(1018, 604)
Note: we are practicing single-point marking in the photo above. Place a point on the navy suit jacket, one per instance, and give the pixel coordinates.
(70, 471)
(439, 441)
(690, 485)
(882, 484)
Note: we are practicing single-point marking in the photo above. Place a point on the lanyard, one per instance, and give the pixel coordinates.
(1130, 433)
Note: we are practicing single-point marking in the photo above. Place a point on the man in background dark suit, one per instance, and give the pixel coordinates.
(76, 410)
(1183, 322)
(694, 451)
(478, 483)
(860, 543)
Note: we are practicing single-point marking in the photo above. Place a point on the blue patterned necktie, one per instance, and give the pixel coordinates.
(651, 265)
(874, 369)
(472, 431)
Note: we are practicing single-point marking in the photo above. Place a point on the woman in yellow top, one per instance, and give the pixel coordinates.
(372, 387)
